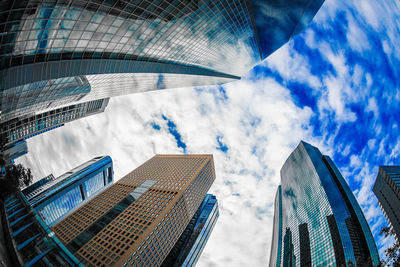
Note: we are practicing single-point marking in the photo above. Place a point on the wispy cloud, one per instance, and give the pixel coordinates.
(323, 87)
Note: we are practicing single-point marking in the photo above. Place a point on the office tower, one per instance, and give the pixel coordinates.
(138, 219)
(318, 221)
(387, 190)
(27, 239)
(14, 151)
(48, 94)
(188, 248)
(22, 128)
(53, 199)
(276, 250)
(124, 47)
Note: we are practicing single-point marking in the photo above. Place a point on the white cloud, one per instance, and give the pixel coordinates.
(257, 122)
(293, 66)
(356, 35)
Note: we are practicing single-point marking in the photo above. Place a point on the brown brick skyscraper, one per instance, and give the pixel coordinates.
(138, 219)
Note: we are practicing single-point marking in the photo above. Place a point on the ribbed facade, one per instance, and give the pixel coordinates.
(387, 190)
(322, 223)
(201, 42)
(138, 219)
(53, 198)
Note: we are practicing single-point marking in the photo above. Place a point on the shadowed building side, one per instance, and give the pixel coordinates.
(387, 190)
(190, 245)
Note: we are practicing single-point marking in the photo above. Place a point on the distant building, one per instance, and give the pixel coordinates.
(190, 245)
(13, 151)
(43, 95)
(124, 47)
(138, 220)
(54, 198)
(387, 190)
(35, 186)
(318, 221)
(22, 128)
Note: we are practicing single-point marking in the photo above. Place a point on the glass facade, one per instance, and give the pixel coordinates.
(33, 242)
(50, 43)
(322, 221)
(387, 190)
(53, 198)
(22, 128)
(274, 259)
(188, 248)
(94, 184)
(61, 205)
(14, 151)
(48, 94)
(33, 188)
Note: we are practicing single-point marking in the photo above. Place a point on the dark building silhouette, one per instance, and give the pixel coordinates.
(387, 190)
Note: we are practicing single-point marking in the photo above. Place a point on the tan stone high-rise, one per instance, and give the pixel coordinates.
(138, 219)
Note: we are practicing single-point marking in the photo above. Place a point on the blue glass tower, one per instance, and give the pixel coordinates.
(320, 220)
(53, 199)
(124, 47)
(188, 248)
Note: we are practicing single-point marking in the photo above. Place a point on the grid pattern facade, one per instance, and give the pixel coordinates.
(184, 32)
(47, 94)
(322, 219)
(61, 205)
(387, 190)
(30, 190)
(49, 43)
(55, 198)
(143, 233)
(24, 128)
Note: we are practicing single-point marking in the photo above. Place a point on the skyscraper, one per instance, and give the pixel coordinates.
(53, 198)
(144, 45)
(48, 94)
(22, 128)
(14, 151)
(318, 221)
(138, 219)
(29, 241)
(188, 248)
(387, 190)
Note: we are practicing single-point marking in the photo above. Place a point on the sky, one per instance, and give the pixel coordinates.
(335, 86)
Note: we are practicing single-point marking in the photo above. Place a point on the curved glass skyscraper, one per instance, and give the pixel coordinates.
(123, 47)
(318, 221)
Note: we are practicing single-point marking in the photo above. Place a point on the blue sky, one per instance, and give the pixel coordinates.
(336, 86)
